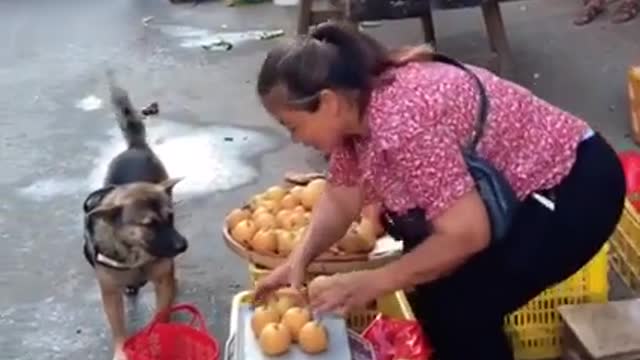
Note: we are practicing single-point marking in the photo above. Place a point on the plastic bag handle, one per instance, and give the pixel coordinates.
(197, 319)
(227, 348)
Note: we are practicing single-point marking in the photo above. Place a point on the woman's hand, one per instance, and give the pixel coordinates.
(345, 292)
(291, 273)
(336, 209)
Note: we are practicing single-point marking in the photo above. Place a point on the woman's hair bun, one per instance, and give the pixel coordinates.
(332, 33)
(357, 49)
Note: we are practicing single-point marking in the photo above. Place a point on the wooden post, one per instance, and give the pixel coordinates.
(305, 8)
(497, 36)
(428, 28)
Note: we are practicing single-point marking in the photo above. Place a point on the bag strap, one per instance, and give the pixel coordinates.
(483, 109)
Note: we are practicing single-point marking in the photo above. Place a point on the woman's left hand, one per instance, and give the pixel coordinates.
(344, 292)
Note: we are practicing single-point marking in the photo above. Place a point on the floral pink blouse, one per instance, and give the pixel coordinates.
(417, 122)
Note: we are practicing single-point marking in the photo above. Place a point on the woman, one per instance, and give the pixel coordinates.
(394, 122)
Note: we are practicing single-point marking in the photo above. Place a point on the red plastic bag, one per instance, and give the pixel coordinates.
(631, 164)
(394, 339)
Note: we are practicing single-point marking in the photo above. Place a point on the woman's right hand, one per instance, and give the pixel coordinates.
(291, 273)
(332, 215)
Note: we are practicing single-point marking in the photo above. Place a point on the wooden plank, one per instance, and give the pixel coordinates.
(608, 331)
(371, 10)
(634, 102)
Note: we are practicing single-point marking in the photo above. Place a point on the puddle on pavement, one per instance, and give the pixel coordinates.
(52, 187)
(89, 103)
(194, 37)
(212, 158)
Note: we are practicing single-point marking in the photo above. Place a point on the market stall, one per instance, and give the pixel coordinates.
(264, 230)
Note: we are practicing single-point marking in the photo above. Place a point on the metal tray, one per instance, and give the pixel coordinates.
(242, 344)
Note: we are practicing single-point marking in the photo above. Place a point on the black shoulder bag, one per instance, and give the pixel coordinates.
(500, 199)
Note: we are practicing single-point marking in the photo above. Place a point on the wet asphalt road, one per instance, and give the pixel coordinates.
(211, 129)
(53, 147)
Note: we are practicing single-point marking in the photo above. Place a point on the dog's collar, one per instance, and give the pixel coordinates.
(109, 262)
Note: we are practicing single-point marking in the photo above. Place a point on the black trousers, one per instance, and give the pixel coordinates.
(463, 313)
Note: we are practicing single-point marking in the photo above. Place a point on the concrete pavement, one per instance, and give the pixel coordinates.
(56, 133)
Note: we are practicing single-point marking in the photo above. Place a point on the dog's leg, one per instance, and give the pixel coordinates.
(164, 282)
(113, 305)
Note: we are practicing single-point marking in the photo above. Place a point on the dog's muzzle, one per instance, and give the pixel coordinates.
(168, 242)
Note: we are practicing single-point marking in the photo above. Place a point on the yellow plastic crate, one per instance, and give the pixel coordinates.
(534, 329)
(625, 247)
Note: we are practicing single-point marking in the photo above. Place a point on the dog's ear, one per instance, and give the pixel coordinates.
(168, 184)
(107, 212)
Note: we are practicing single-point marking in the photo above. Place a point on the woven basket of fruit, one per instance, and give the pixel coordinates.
(270, 225)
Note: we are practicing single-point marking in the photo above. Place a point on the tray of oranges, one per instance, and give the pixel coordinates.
(267, 228)
(282, 326)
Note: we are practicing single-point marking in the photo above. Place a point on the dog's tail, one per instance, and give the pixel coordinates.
(129, 120)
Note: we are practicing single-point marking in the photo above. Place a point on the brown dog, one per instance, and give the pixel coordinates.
(129, 232)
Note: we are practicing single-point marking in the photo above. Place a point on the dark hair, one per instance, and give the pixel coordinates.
(333, 56)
